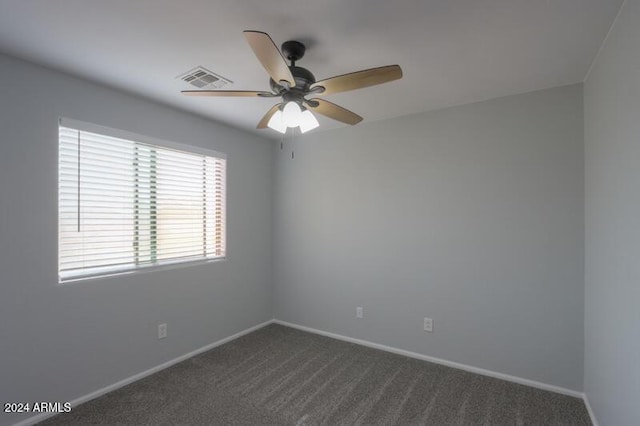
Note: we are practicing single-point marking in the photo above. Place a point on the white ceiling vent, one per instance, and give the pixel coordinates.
(204, 79)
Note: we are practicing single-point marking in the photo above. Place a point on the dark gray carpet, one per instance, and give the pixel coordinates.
(281, 376)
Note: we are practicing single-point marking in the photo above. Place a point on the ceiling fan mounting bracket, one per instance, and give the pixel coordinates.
(293, 50)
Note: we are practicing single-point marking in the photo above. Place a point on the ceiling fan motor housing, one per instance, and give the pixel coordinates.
(303, 78)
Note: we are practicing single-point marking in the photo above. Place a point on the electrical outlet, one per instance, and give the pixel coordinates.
(162, 331)
(359, 312)
(428, 324)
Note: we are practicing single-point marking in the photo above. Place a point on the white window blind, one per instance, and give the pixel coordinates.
(125, 205)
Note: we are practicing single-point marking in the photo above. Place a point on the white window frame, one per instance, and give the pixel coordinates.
(108, 272)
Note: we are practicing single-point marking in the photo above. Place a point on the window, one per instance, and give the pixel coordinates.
(126, 204)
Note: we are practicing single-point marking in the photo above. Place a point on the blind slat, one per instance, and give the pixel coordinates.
(125, 204)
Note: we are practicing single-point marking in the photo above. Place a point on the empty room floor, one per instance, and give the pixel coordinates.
(282, 376)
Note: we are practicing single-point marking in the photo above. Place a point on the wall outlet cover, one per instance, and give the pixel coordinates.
(428, 324)
(162, 331)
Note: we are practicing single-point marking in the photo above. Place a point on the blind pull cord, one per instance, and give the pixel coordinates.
(78, 180)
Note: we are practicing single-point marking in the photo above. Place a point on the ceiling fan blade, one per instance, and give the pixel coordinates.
(334, 111)
(269, 56)
(232, 93)
(265, 119)
(359, 79)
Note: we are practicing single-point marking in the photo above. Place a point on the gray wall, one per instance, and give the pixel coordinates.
(61, 342)
(612, 169)
(471, 215)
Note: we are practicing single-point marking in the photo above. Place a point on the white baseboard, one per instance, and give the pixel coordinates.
(472, 369)
(40, 417)
(592, 415)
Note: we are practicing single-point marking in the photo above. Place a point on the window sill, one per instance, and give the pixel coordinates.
(139, 270)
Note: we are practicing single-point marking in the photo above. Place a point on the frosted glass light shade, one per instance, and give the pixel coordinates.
(291, 114)
(276, 122)
(307, 121)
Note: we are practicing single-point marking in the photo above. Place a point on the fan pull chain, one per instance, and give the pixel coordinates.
(283, 140)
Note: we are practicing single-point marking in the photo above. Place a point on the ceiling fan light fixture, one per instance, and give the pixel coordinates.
(308, 121)
(276, 123)
(293, 83)
(291, 114)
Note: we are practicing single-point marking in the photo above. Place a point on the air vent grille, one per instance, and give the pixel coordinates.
(202, 78)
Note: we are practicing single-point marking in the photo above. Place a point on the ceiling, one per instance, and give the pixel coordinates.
(452, 52)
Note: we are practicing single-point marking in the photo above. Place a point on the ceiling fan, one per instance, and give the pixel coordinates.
(294, 84)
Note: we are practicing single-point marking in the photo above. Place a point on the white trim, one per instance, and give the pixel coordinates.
(163, 266)
(137, 137)
(40, 417)
(592, 414)
(472, 369)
